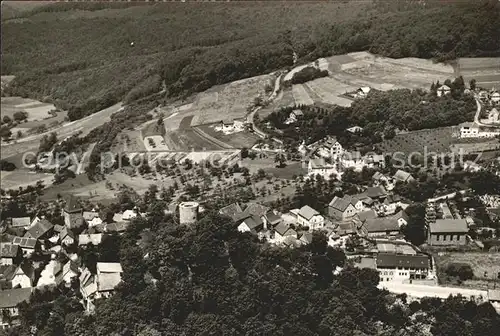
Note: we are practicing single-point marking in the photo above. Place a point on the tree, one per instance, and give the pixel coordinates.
(472, 84)
(6, 119)
(280, 159)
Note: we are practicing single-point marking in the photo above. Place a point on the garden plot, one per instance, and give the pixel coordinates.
(36, 110)
(23, 178)
(329, 90)
(300, 95)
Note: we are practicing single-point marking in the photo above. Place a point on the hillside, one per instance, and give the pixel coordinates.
(80, 55)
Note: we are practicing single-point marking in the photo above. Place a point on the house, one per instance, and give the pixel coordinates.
(380, 226)
(271, 219)
(294, 116)
(377, 193)
(129, 215)
(27, 245)
(23, 276)
(341, 208)
(443, 90)
(306, 238)
(447, 232)
(363, 91)
(65, 273)
(100, 285)
(94, 239)
(311, 218)
(355, 129)
(365, 215)
(67, 237)
(402, 176)
(252, 223)
(392, 203)
(321, 167)
(471, 166)
(9, 299)
(42, 230)
(92, 218)
(495, 97)
(282, 231)
(380, 178)
(20, 223)
(232, 211)
(256, 209)
(119, 227)
(352, 159)
(73, 214)
(402, 268)
(494, 116)
(9, 253)
(469, 130)
(230, 125)
(328, 148)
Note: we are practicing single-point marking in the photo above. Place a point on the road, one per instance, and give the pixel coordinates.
(251, 116)
(84, 125)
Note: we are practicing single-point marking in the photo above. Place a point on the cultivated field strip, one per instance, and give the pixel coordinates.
(300, 95)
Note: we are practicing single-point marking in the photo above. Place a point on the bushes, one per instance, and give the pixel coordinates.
(307, 74)
(459, 271)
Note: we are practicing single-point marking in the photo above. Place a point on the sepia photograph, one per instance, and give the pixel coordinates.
(250, 168)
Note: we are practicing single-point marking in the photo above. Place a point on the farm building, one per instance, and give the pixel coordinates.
(448, 232)
(9, 299)
(443, 90)
(294, 116)
(230, 126)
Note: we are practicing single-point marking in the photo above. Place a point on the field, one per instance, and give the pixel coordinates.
(23, 178)
(229, 101)
(436, 140)
(351, 71)
(300, 95)
(486, 71)
(481, 263)
(36, 110)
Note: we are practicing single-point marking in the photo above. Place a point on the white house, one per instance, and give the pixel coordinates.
(67, 237)
(402, 268)
(23, 276)
(129, 214)
(403, 176)
(495, 97)
(363, 91)
(443, 90)
(92, 218)
(282, 231)
(355, 129)
(494, 116)
(321, 167)
(328, 148)
(469, 130)
(352, 160)
(294, 116)
(307, 216)
(20, 222)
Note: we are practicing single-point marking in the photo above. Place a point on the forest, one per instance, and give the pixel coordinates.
(129, 51)
(380, 114)
(208, 279)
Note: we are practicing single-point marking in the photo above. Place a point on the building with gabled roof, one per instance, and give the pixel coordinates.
(28, 245)
(345, 207)
(66, 236)
(9, 253)
(252, 223)
(256, 209)
(403, 268)
(20, 222)
(403, 176)
(319, 166)
(443, 90)
(23, 276)
(310, 217)
(65, 273)
(447, 232)
(232, 210)
(43, 229)
(100, 285)
(92, 238)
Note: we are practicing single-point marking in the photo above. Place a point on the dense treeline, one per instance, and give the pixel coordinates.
(208, 279)
(307, 74)
(82, 58)
(380, 114)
